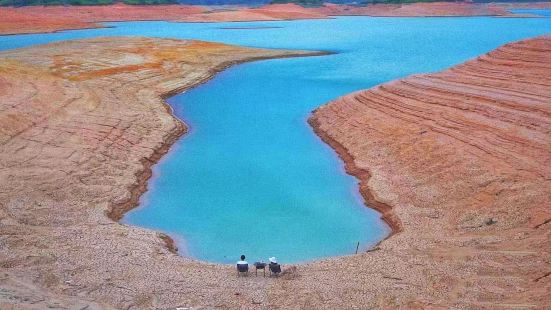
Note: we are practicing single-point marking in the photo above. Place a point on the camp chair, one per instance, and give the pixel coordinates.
(242, 269)
(275, 269)
(259, 265)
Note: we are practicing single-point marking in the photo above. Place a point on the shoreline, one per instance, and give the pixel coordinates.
(117, 211)
(51, 19)
(450, 170)
(87, 85)
(362, 176)
(471, 224)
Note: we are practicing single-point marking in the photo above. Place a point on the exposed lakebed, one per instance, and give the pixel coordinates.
(251, 177)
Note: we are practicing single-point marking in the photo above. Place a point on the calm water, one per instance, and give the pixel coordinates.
(538, 12)
(251, 177)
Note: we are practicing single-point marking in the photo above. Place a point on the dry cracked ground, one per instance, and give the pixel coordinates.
(462, 157)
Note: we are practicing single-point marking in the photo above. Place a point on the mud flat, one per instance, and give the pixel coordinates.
(458, 160)
(37, 19)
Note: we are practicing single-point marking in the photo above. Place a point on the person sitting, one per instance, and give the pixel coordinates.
(242, 266)
(275, 268)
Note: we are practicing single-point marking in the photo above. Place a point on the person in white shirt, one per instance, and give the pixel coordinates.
(242, 266)
(242, 261)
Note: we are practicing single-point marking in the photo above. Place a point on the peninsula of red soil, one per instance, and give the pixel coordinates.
(464, 159)
(35, 19)
(459, 161)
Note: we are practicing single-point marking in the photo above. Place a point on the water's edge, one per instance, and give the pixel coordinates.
(363, 176)
(116, 212)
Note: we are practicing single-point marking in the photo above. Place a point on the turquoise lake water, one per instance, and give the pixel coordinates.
(538, 12)
(251, 177)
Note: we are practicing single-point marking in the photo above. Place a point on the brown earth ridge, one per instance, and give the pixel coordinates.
(461, 156)
(37, 19)
(464, 158)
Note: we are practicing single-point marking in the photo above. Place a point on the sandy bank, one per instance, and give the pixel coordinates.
(35, 19)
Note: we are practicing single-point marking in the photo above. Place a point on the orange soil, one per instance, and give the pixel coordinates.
(22, 21)
(425, 9)
(36, 19)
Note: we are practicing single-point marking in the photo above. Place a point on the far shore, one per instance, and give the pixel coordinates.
(43, 19)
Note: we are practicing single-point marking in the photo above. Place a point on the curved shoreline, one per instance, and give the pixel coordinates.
(116, 211)
(471, 194)
(363, 176)
(123, 126)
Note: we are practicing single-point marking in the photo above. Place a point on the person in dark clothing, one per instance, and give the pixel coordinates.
(242, 266)
(275, 268)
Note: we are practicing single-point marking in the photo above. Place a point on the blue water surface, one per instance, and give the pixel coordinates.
(251, 177)
(537, 12)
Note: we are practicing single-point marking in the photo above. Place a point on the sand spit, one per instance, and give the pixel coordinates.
(464, 158)
(81, 123)
(36, 19)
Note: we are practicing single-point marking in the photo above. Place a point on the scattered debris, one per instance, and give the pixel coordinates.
(541, 224)
(544, 276)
